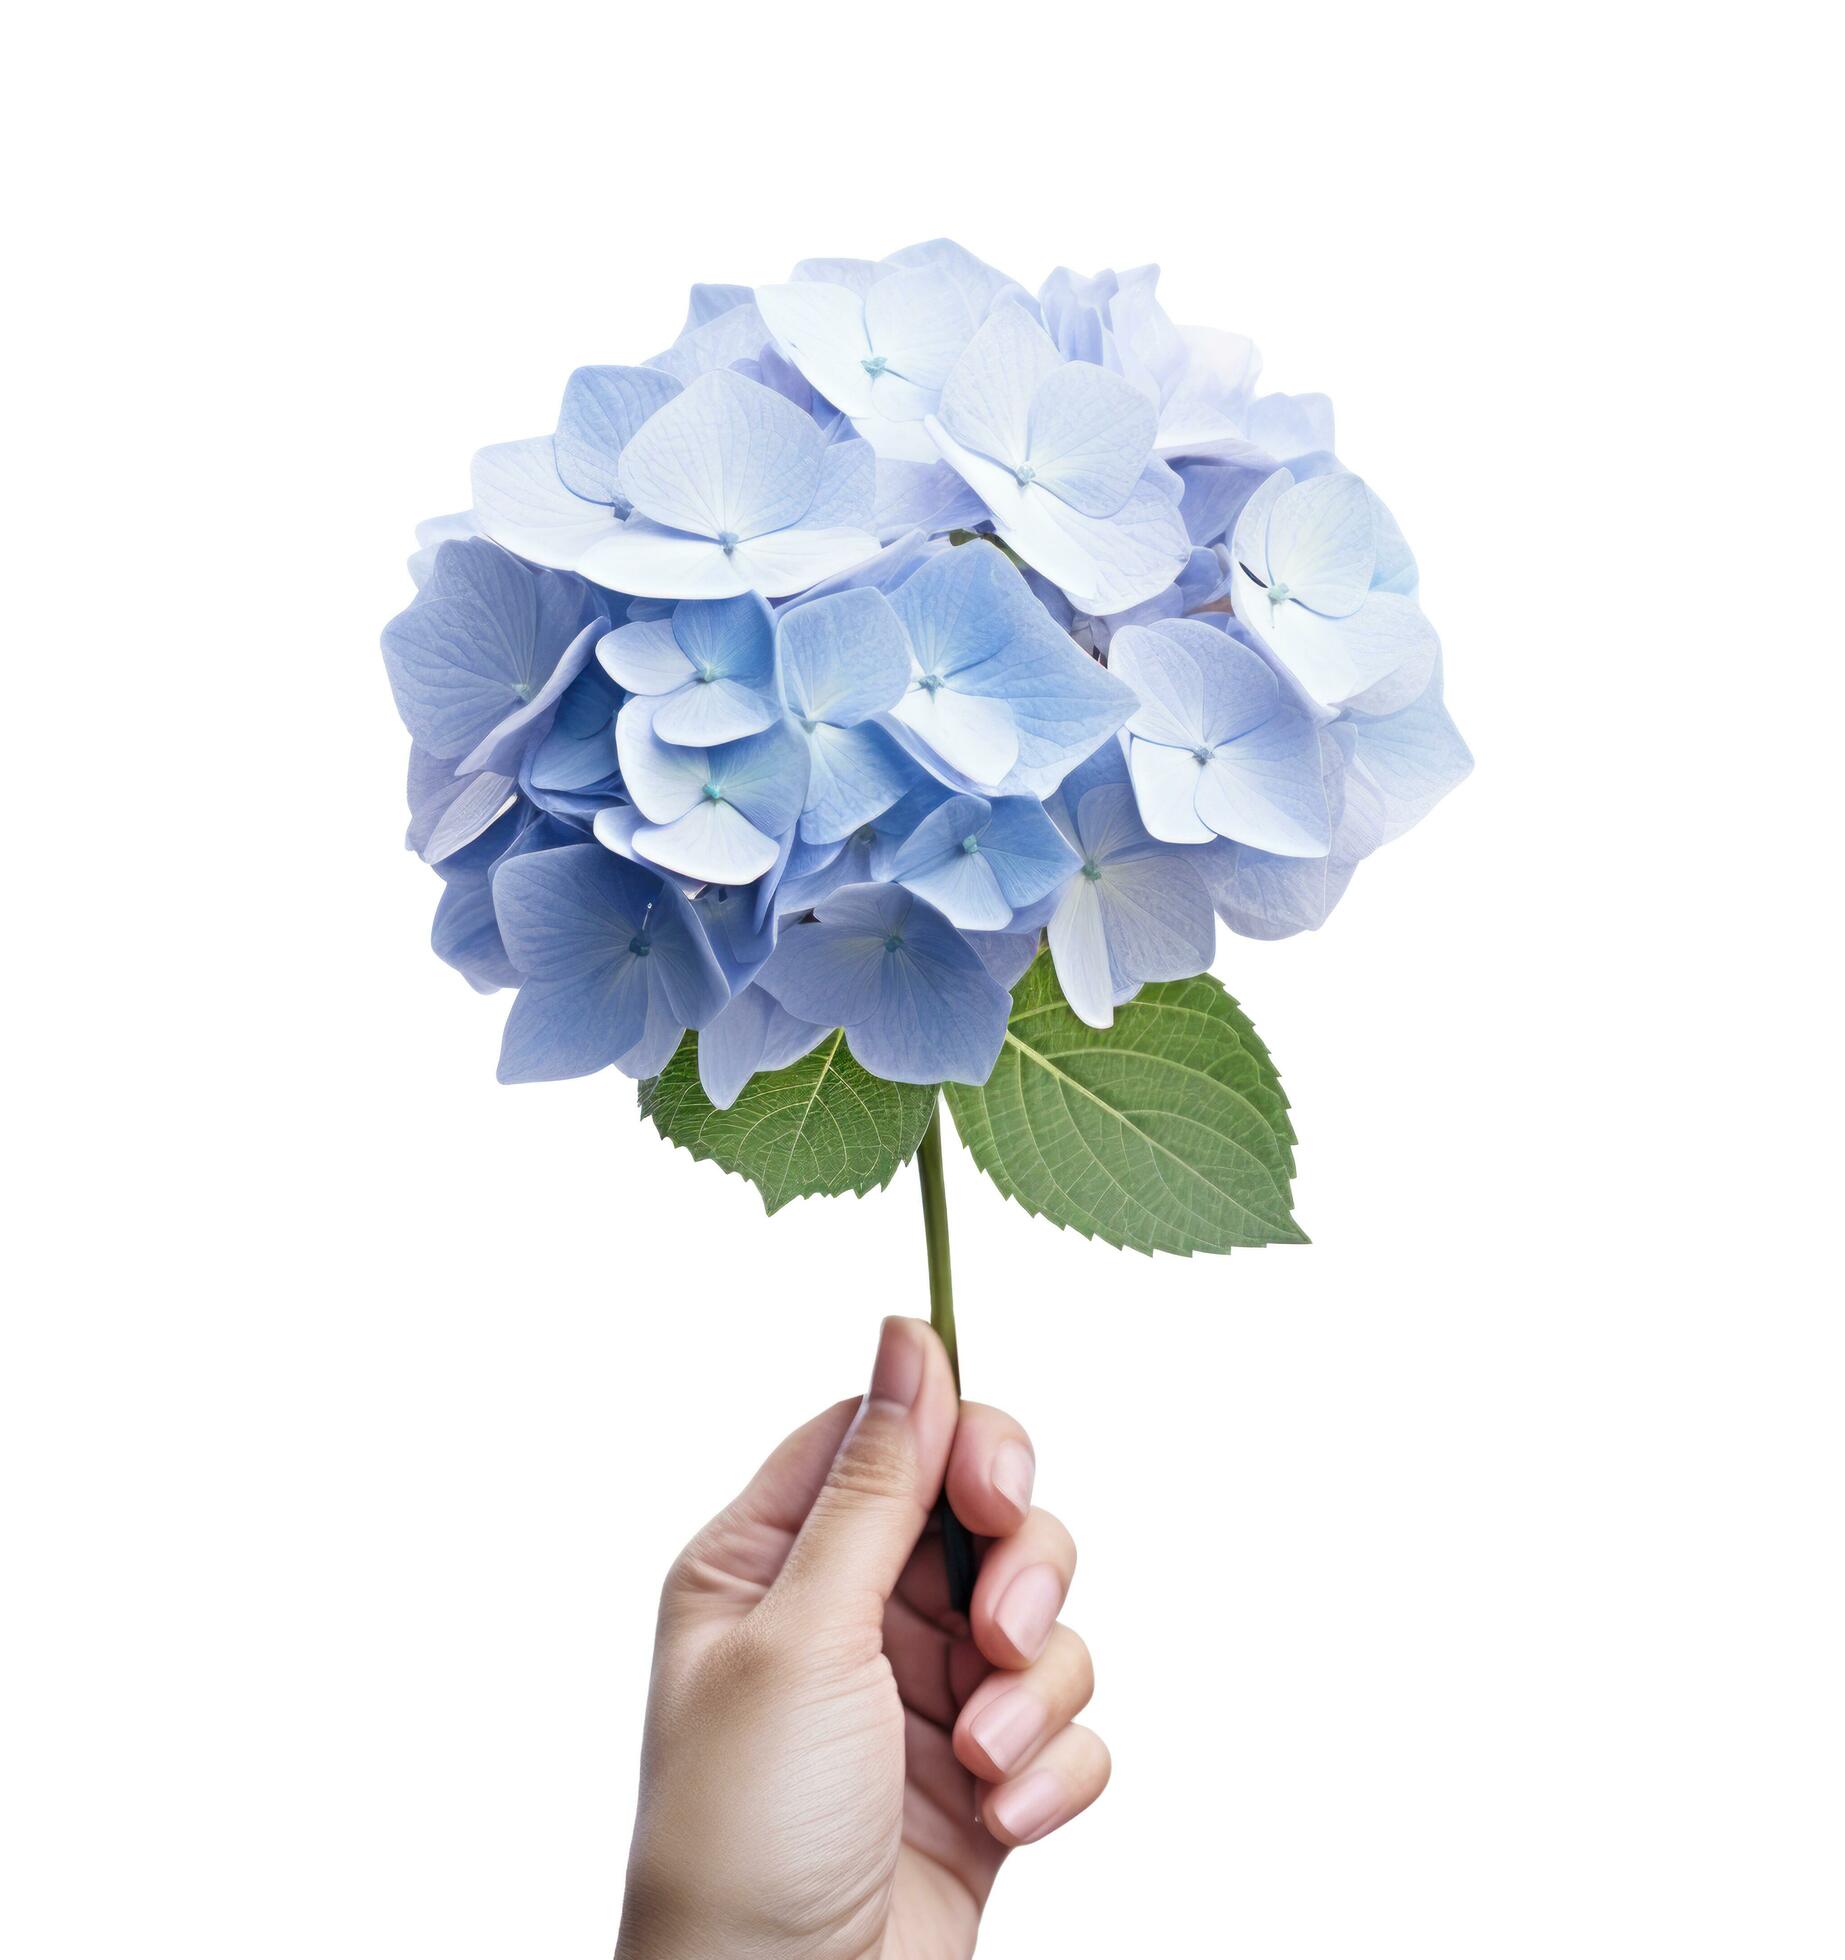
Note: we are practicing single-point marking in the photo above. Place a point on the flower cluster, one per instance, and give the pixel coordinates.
(892, 619)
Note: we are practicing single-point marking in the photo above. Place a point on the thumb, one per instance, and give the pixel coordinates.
(883, 1482)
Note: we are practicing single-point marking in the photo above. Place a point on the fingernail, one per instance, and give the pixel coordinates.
(896, 1375)
(1007, 1727)
(1013, 1474)
(1028, 1609)
(1028, 1808)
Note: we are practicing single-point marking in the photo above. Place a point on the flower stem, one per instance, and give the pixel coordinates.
(957, 1544)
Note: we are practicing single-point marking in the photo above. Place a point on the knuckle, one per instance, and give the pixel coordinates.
(1053, 1535)
(877, 1465)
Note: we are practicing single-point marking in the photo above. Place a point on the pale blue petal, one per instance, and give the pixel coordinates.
(563, 1028)
(844, 658)
(798, 559)
(1089, 437)
(1006, 955)
(726, 456)
(1026, 851)
(478, 642)
(986, 400)
(845, 498)
(739, 943)
(727, 339)
(765, 777)
(918, 321)
(1414, 756)
(856, 275)
(663, 780)
(602, 409)
(644, 657)
(580, 749)
(680, 960)
(973, 620)
(705, 713)
(1166, 789)
(820, 326)
(936, 861)
(504, 747)
(1322, 543)
(709, 302)
(856, 774)
(1288, 426)
(569, 912)
(755, 1032)
(1266, 788)
(521, 502)
(1168, 683)
(466, 935)
(981, 285)
(655, 562)
(1079, 951)
(976, 735)
(1157, 919)
(713, 842)
(924, 494)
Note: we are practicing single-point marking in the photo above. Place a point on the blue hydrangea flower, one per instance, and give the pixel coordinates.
(915, 999)
(1306, 581)
(1215, 748)
(878, 341)
(717, 814)
(613, 964)
(844, 661)
(482, 655)
(978, 863)
(709, 669)
(1061, 454)
(998, 696)
(733, 489)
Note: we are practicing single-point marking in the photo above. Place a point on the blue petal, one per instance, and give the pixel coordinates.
(477, 643)
(603, 407)
(973, 620)
(855, 774)
(1026, 850)
(1090, 435)
(727, 456)
(521, 502)
(765, 777)
(915, 999)
(755, 1032)
(843, 658)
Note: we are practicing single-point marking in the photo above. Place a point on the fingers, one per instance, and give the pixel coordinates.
(872, 1506)
(1020, 1591)
(1009, 1718)
(1062, 1780)
(990, 1472)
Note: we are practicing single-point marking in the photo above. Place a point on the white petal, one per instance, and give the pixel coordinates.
(521, 503)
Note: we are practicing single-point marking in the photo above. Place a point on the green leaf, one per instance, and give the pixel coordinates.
(1168, 1132)
(818, 1127)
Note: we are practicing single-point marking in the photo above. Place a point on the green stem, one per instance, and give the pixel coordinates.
(957, 1544)
(935, 1234)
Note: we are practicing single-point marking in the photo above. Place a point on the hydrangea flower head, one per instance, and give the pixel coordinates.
(814, 672)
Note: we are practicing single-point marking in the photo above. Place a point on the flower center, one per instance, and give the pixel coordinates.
(1277, 592)
(640, 945)
(971, 845)
(874, 364)
(1025, 474)
(729, 540)
(712, 791)
(892, 942)
(1091, 870)
(929, 683)
(1201, 754)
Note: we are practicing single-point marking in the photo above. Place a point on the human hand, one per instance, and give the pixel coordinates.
(835, 1763)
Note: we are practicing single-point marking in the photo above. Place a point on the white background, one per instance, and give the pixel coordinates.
(1465, 1584)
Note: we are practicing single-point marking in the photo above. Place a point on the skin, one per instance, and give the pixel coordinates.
(835, 1764)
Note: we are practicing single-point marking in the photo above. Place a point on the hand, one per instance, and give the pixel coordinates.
(833, 1768)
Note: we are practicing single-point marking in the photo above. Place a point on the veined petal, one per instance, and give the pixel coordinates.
(1166, 791)
(603, 407)
(1089, 437)
(1322, 543)
(973, 733)
(725, 456)
(521, 502)
(713, 842)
